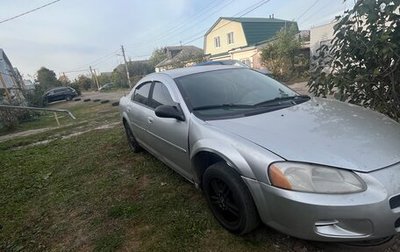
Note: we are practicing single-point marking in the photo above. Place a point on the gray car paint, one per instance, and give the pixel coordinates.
(318, 131)
(324, 132)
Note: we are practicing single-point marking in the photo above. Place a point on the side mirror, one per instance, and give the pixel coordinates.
(167, 111)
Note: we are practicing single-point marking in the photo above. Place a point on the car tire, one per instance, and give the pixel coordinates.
(68, 98)
(133, 144)
(230, 199)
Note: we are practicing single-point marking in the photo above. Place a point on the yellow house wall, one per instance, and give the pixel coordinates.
(249, 56)
(222, 29)
(244, 55)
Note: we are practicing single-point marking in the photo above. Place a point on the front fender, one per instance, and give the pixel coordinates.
(247, 158)
(227, 152)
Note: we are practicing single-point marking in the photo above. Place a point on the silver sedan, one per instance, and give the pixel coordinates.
(312, 168)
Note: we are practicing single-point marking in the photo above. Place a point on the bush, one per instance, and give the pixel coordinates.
(362, 65)
(11, 118)
(35, 97)
(284, 56)
(8, 119)
(76, 87)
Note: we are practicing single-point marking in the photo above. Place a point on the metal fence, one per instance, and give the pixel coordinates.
(55, 111)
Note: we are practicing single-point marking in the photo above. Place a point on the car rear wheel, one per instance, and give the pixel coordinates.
(133, 144)
(229, 199)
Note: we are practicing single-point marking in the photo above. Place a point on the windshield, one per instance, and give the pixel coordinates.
(233, 92)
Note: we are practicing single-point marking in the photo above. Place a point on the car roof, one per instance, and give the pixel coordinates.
(55, 88)
(223, 62)
(179, 72)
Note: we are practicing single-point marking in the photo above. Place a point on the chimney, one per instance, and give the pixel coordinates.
(272, 16)
(269, 16)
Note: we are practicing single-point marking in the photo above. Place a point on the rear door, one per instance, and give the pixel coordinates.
(138, 112)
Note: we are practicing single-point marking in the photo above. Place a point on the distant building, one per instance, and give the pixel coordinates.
(179, 56)
(29, 85)
(321, 35)
(10, 82)
(242, 38)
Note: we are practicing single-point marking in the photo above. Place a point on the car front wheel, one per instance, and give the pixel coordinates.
(229, 199)
(133, 144)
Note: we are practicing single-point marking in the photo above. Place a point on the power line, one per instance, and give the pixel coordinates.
(309, 8)
(174, 29)
(195, 20)
(247, 11)
(27, 12)
(78, 71)
(205, 18)
(325, 10)
(93, 62)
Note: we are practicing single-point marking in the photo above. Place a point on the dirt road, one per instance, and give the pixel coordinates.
(112, 96)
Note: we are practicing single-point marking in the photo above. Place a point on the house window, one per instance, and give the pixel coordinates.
(217, 42)
(230, 38)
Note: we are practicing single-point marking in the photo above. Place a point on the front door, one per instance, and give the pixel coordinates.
(168, 136)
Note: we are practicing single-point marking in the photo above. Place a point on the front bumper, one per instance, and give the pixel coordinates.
(368, 215)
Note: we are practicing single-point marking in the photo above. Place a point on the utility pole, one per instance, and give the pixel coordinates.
(5, 89)
(94, 77)
(126, 65)
(97, 80)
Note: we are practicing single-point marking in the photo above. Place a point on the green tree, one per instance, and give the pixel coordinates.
(104, 79)
(84, 82)
(64, 80)
(47, 78)
(119, 78)
(362, 64)
(283, 56)
(157, 56)
(192, 57)
(140, 68)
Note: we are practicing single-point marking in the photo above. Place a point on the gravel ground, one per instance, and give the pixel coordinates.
(300, 87)
(112, 96)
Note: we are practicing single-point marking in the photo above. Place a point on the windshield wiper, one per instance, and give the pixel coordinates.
(224, 106)
(294, 99)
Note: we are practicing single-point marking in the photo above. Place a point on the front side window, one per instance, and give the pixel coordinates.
(230, 38)
(160, 96)
(217, 42)
(141, 93)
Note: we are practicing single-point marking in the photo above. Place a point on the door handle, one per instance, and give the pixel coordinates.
(150, 119)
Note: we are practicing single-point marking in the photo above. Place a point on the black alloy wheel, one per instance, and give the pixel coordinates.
(229, 199)
(133, 144)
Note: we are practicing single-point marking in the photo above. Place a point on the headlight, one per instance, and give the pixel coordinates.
(314, 178)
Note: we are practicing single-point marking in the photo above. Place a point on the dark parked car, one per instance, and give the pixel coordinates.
(59, 93)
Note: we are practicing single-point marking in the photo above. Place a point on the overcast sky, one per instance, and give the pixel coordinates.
(70, 35)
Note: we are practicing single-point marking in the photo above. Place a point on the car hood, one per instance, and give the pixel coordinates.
(322, 131)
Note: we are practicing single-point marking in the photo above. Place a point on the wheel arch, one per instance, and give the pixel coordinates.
(124, 118)
(206, 154)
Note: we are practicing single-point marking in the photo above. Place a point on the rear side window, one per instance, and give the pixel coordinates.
(141, 93)
(161, 96)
